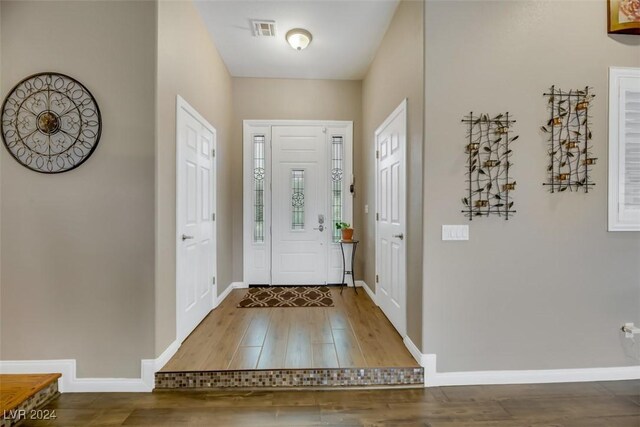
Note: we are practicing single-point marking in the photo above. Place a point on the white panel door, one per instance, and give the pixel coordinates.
(195, 290)
(301, 228)
(391, 142)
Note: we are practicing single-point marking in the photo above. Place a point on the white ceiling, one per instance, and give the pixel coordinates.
(346, 35)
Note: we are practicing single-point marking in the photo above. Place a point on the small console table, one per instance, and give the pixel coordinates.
(354, 244)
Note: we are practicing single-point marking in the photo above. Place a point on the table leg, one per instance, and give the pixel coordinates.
(344, 268)
(353, 260)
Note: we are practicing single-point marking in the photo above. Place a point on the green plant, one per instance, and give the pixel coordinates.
(342, 225)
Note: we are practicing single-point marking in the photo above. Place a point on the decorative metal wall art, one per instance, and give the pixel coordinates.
(570, 156)
(50, 123)
(488, 166)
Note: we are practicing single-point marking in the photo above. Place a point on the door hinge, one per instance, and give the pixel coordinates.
(377, 154)
(377, 278)
(213, 152)
(213, 281)
(213, 217)
(377, 216)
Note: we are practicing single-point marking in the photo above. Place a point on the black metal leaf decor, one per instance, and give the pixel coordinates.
(569, 140)
(489, 182)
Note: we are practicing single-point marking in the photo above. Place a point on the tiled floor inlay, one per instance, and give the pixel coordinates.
(343, 377)
(26, 409)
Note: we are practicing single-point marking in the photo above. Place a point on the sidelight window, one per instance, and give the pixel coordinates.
(258, 187)
(337, 178)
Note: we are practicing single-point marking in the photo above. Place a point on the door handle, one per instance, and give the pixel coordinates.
(320, 228)
(185, 237)
(399, 236)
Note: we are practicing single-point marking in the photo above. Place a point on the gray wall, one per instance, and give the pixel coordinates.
(188, 65)
(293, 99)
(551, 287)
(77, 248)
(397, 72)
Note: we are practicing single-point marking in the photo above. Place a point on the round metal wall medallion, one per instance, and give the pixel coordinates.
(50, 123)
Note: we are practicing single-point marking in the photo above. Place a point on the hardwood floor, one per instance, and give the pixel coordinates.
(615, 404)
(353, 333)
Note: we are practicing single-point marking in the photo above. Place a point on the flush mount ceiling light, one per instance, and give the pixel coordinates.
(299, 38)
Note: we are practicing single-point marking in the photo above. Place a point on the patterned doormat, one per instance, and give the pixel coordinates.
(287, 296)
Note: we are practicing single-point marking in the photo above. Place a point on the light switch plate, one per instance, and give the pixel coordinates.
(455, 232)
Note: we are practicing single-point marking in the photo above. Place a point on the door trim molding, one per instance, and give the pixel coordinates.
(182, 104)
(398, 110)
(250, 128)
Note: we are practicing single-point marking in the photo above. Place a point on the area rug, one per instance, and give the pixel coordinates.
(287, 296)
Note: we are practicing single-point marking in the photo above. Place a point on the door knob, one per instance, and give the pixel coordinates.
(399, 236)
(320, 228)
(185, 237)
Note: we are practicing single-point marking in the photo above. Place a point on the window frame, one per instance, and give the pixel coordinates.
(616, 218)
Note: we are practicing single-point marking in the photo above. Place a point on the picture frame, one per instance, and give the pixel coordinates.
(623, 16)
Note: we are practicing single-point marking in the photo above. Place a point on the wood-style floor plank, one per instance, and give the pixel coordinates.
(246, 358)
(319, 326)
(347, 349)
(562, 405)
(203, 340)
(379, 342)
(299, 342)
(293, 337)
(254, 336)
(274, 348)
(226, 349)
(324, 356)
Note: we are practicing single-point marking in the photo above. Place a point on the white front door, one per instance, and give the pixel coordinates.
(195, 243)
(391, 141)
(301, 229)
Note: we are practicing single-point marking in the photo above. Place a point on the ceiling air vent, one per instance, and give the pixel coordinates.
(262, 28)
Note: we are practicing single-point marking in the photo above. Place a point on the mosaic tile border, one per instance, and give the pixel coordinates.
(343, 377)
(34, 402)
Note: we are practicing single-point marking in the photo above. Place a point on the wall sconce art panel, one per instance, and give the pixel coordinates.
(489, 180)
(569, 140)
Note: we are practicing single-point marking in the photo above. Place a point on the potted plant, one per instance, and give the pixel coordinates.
(347, 231)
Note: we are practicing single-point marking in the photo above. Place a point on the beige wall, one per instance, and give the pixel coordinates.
(397, 72)
(77, 247)
(188, 65)
(282, 99)
(551, 287)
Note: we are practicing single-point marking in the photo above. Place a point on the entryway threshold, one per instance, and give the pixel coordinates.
(292, 378)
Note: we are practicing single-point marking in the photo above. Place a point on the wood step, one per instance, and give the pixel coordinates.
(25, 392)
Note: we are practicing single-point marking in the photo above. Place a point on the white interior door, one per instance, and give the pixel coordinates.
(301, 229)
(391, 141)
(196, 244)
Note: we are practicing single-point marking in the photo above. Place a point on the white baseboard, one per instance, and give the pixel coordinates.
(534, 376)
(239, 285)
(415, 352)
(433, 378)
(70, 383)
(362, 284)
(227, 291)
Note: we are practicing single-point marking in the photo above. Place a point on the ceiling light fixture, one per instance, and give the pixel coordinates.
(299, 38)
